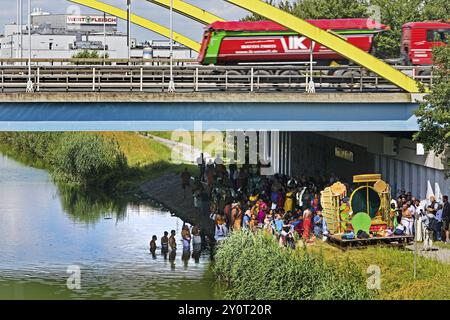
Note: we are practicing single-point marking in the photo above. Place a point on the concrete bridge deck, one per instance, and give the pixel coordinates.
(205, 97)
(164, 111)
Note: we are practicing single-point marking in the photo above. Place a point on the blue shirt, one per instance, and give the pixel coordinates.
(439, 215)
(246, 221)
(315, 220)
(279, 225)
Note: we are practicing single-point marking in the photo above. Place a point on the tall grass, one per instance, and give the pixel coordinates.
(73, 158)
(253, 266)
(397, 271)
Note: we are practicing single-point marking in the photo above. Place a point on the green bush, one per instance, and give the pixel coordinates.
(86, 159)
(255, 267)
(29, 147)
(81, 159)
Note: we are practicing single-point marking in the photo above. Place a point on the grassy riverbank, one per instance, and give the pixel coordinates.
(397, 276)
(254, 267)
(110, 161)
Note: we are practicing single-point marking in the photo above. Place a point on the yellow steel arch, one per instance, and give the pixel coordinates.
(189, 10)
(331, 41)
(140, 21)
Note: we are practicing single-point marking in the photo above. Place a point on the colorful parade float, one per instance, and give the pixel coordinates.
(362, 218)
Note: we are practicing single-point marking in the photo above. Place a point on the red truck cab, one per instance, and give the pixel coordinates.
(419, 38)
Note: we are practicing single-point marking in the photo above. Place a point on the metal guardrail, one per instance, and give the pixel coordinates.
(194, 78)
(92, 61)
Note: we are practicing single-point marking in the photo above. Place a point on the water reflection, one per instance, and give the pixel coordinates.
(89, 206)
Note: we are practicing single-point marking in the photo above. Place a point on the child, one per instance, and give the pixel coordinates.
(429, 223)
(317, 222)
(153, 245)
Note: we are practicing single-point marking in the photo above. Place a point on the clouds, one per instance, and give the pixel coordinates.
(143, 8)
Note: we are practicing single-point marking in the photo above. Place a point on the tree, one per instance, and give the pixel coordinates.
(320, 9)
(434, 113)
(436, 10)
(86, 54)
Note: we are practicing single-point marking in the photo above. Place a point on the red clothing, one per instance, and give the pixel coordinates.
(307, 228)
(280, 200)
(299, 228)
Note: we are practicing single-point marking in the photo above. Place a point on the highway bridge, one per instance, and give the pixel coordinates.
(356, 110)
(73, 75)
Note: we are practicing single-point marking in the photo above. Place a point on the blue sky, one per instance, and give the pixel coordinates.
(141, 7)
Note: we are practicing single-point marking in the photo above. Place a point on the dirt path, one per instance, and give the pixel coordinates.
(167, 191)
(185, 152)
(438, 253)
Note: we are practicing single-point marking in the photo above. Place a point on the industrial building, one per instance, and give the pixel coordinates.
(56, 36)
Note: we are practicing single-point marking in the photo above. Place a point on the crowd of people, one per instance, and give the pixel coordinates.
(168, 243)
(427, 219)
(240, 198)
(289, 208)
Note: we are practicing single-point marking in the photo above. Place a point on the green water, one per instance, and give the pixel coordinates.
(45, 229)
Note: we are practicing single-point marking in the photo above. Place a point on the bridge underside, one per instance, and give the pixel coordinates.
(320, 154)
(140, 112)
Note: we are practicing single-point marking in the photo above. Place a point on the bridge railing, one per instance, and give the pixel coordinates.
(93, 61)
(192, 78)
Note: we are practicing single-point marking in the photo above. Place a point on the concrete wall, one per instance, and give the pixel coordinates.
(373, 142)
(411, 177)
(313, 154)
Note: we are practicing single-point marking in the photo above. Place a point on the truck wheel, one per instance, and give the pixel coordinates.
(289, 73)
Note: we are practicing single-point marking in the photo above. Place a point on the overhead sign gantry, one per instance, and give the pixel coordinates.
(331, 41)
(140, 21)
(189, 10)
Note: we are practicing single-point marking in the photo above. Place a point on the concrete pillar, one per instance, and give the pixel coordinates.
(275, 150)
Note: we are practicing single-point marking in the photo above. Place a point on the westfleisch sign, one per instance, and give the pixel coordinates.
(109, 20)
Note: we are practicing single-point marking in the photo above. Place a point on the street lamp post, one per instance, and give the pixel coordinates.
(30, 86)
(20, 40)
(17, 55)
(310, 86)
(104, 37)
(171, 82)
(129, 29)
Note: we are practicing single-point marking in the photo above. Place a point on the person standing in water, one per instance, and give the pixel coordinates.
(186, 236)
(153, 245)
(196, 238)
(172, 241)
(165, 244)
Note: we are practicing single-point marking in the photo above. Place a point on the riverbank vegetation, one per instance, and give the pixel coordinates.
(434, 112)
(72, 158)
(255, 267)
(397, 271)
(110, 161)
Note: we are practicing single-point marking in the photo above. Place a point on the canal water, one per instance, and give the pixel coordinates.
(48, 234)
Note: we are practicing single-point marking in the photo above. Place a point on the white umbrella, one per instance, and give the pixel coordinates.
(438, 192)
(430, 191)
